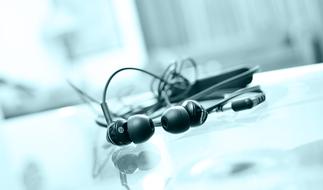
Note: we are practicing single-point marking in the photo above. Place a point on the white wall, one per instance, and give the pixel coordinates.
(32, 53)
(23, 52)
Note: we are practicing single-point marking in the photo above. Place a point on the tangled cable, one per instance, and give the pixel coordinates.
(171, 86)
(174, 85)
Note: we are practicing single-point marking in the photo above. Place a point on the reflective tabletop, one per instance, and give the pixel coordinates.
(276, 145)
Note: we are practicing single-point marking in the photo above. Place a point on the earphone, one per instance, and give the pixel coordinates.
(139, 128)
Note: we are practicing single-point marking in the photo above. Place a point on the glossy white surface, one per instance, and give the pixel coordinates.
(64, 149)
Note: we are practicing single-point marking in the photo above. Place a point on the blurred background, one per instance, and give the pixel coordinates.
(44, 43)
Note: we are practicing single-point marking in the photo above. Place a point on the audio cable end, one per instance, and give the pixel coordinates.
(243, 104)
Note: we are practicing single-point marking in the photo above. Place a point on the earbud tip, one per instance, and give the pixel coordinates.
(175, 120)
(140, 128)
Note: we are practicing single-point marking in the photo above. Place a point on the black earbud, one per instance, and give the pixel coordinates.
(138, 129)
(196, 111)
(178, 119)
(117, 133)
(175, 120)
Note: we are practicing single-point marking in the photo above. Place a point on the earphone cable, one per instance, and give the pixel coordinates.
(127, 68)
(87, 99)
(104, 105)
(231, 96)
(222, 83)
(200, 94)
(81, 92)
